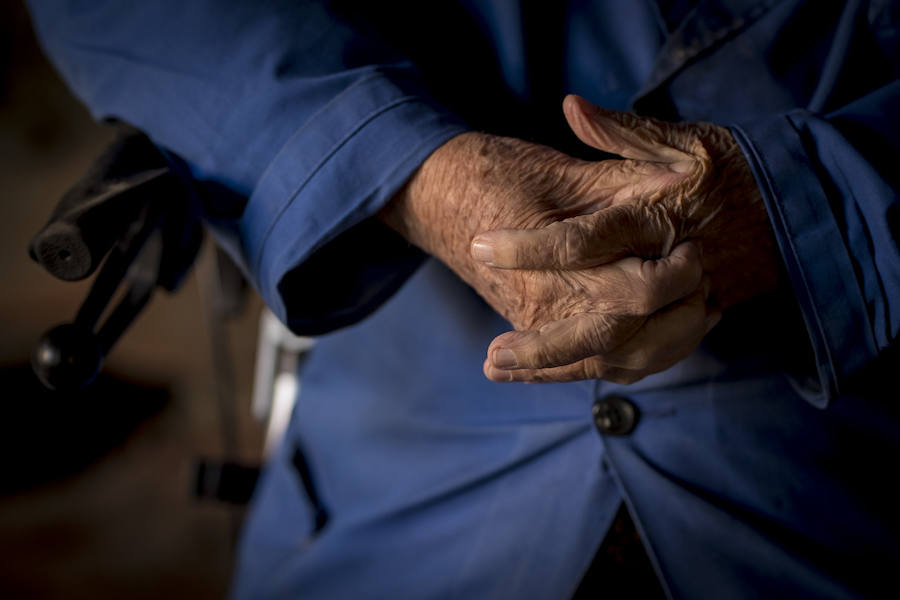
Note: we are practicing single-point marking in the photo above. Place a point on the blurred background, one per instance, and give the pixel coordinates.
(96, 492)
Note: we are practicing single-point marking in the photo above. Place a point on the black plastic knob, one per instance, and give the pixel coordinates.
(67, 357)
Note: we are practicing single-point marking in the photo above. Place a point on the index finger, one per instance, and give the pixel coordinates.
(579, 242)
(632, 291)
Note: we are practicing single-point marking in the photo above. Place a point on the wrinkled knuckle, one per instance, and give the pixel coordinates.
(542, 356)
(595, 335)
(590, 369)
(554, 245)
(575, 246)
(540, 352)
(523, 254)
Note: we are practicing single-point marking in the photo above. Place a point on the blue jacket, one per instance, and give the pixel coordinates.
(760, 466)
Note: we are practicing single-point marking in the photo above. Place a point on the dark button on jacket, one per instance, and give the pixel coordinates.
(615, 415)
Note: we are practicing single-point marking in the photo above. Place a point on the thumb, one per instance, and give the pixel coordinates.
(625, 134)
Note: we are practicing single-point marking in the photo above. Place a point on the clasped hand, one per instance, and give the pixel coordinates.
(613, 269)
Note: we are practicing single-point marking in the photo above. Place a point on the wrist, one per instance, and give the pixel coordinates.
(427, 209)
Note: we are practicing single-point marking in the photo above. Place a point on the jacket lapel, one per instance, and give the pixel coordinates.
(708, 25)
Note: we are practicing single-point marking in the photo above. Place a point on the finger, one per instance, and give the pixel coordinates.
(640, 288)
(590, 368)
(575, 243)
(634, 286)
(653, 284)
(610, 182)
(562, 342)
(624, 134)
(681, 328)
(606, 367)
(666, 337)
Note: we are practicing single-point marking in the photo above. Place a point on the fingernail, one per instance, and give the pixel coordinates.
(500, 376)
(482, 252)
(505, 359)
(712, 320)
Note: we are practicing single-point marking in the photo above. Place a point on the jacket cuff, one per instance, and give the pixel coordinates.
(317, 262)
(813, 248)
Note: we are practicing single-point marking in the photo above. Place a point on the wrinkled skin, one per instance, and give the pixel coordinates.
(682, 181)
(477, 182)
(585, 259)
(678, 182)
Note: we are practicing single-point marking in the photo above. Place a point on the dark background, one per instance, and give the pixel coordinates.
(95, 490)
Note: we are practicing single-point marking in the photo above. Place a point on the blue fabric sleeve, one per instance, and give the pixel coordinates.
(279, 102)
(831, 184)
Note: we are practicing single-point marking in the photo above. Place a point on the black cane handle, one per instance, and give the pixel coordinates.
(134, 212)
(92, 216)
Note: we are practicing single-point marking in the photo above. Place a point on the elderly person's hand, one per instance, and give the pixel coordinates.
(679, 182)
(477, 182)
